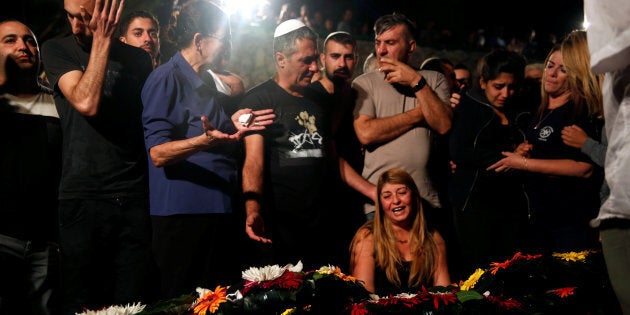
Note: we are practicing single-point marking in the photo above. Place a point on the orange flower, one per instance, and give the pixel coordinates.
(210, 301)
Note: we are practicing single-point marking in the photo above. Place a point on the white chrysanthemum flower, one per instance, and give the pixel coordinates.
(266, 273)
(117, 310)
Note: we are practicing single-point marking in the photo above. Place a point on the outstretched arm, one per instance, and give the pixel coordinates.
(562, 167)
(175, 151)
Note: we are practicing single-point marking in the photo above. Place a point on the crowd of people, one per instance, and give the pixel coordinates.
(131, 177)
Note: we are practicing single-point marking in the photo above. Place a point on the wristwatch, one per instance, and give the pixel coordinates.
(420, 85)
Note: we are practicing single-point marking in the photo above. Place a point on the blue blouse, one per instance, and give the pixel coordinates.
(174, 99)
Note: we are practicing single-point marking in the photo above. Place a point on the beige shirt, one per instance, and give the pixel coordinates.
(410, 151)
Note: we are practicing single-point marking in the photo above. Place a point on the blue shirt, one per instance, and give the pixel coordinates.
(174, 99)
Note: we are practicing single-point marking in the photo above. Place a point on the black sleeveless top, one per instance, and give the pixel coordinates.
(383, 287)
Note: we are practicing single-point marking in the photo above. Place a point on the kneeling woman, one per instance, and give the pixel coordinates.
(396, 252)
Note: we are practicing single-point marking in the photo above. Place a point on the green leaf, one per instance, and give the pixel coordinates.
(464, 296)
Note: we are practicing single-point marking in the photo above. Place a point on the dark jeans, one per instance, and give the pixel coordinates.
(29, 274)
(105, 252)
(193, 251)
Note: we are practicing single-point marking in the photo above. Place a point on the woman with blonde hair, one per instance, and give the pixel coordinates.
(397, 251)
(563, 183)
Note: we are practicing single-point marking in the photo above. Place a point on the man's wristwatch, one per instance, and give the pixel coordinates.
(420, 85)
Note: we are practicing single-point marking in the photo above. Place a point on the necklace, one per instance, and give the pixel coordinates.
(540, 121)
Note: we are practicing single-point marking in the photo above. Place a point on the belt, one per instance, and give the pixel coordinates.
(614, 223)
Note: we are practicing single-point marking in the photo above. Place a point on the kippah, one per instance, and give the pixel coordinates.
(287, 27)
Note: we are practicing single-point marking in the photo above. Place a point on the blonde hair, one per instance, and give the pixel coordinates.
(421, 242)
(585, 86)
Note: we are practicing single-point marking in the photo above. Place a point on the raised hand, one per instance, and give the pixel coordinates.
(104, 19)
(398, 72)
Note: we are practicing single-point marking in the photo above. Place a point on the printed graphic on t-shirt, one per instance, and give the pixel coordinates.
(308, 142)
(544, 133)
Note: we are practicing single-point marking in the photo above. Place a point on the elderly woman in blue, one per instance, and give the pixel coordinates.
(193, 145)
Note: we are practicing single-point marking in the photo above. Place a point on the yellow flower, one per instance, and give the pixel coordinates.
(209, 300)
(288, 311)
(472, 280)
(335, 270)
(573, 256)
(330, 269)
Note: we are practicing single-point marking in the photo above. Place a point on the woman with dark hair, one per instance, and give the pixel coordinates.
(191, 141)
(490, 209)
(397, 251)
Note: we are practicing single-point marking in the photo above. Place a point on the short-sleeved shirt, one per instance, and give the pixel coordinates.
(410, 151)
(103, 155)
(560, 200)
(175, 97)
(298, 170)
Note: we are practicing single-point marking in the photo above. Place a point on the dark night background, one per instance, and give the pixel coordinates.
(46, 17)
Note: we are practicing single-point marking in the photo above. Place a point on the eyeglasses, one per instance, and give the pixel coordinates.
(224, 39)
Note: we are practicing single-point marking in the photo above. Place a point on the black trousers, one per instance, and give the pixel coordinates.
(105, 252)
(196, 251)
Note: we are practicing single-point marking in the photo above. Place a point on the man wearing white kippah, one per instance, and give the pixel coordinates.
(287, 166)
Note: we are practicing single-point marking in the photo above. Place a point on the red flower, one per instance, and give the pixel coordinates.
(509, 304)
(443, 298)
(359, 309)
(495, 266)
(564, 292)
(289, 280)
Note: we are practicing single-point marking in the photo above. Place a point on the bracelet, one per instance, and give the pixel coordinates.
(524, 163)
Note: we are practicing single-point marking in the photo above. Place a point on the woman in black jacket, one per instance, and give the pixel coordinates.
(490, 208)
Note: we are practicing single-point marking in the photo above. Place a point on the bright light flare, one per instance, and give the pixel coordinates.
(246, 9)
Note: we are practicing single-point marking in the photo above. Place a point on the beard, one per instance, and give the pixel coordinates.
(13, 68)
(339, 76)
(84, 41)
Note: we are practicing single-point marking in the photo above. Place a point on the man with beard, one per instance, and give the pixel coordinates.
(141, 29)
(30, 165)
(333, 90)
(104, 228)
